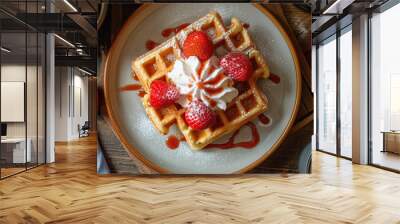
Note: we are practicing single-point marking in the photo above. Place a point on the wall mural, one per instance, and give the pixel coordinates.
(205, 89)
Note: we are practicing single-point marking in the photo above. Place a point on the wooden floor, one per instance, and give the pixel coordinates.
(387, 159)
(70, 191)
(10, 171)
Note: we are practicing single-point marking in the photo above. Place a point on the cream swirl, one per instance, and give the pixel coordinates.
(204, 82)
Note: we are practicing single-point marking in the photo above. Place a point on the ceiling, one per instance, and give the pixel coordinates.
(39, 6)
(16, 42)
(72, 20)
(332, 15)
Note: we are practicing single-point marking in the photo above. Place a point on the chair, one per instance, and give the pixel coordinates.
(84, 130)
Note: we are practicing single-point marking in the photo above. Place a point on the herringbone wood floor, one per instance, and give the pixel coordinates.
(70, 191)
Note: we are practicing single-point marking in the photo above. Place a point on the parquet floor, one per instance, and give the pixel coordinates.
(10, 171)
(69, 191)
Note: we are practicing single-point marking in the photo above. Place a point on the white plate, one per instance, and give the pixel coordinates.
(135, 130)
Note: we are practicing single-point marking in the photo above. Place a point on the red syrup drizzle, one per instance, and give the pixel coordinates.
(172, 142)
(141, 93)
(130, 87)
(151, 44)
(264, 119)
(255, 139)
(168, 31)
(274, 78)
(133, 87)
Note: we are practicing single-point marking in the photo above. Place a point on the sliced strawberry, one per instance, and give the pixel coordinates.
(237, 66)
(197, 43)
(199, 116)
(162, 94)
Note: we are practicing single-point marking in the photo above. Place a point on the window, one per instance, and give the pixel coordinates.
(394, 116)
(326, 93)
(334, 109)
(385, 89)
(346, 92)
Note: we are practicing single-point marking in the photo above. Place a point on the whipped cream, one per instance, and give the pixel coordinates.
(206, 83)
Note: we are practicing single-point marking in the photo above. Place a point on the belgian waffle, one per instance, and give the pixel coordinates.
(250, 102)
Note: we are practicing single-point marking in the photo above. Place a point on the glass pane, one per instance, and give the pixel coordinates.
(327, 96)
(41, 98)
(31, 88)
(31, 98)
(13, 89)
(345, 94)
(385, 84)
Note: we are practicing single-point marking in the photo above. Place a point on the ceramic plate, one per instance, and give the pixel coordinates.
(135, 130)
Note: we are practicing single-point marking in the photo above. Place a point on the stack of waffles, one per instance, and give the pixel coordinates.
(250, 102)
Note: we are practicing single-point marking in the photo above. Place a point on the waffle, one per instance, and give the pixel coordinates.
(250, 102)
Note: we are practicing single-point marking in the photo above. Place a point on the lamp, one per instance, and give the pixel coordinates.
(65, 41)
(84, 71)
(337, 7)
(5, 49)
(70, 5)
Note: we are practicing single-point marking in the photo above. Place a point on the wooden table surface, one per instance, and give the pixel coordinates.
(297, 23)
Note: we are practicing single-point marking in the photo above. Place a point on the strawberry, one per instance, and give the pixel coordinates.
(198, 44)
(199, 116)
(162, 94)
(237, 66)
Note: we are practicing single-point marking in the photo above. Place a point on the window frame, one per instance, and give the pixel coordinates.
(381, 9)
(337, 34)
(27, 29)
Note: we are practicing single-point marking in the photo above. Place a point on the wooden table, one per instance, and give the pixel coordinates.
(13, 150)
(391, 141)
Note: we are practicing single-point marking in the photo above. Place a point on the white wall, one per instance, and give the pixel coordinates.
(12, 73)
(80, 109)
(61, 103)
(16, 72)
(33, 127)
(71, 102)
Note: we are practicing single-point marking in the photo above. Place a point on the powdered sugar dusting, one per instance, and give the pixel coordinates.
(198, 115)
(210, 161)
